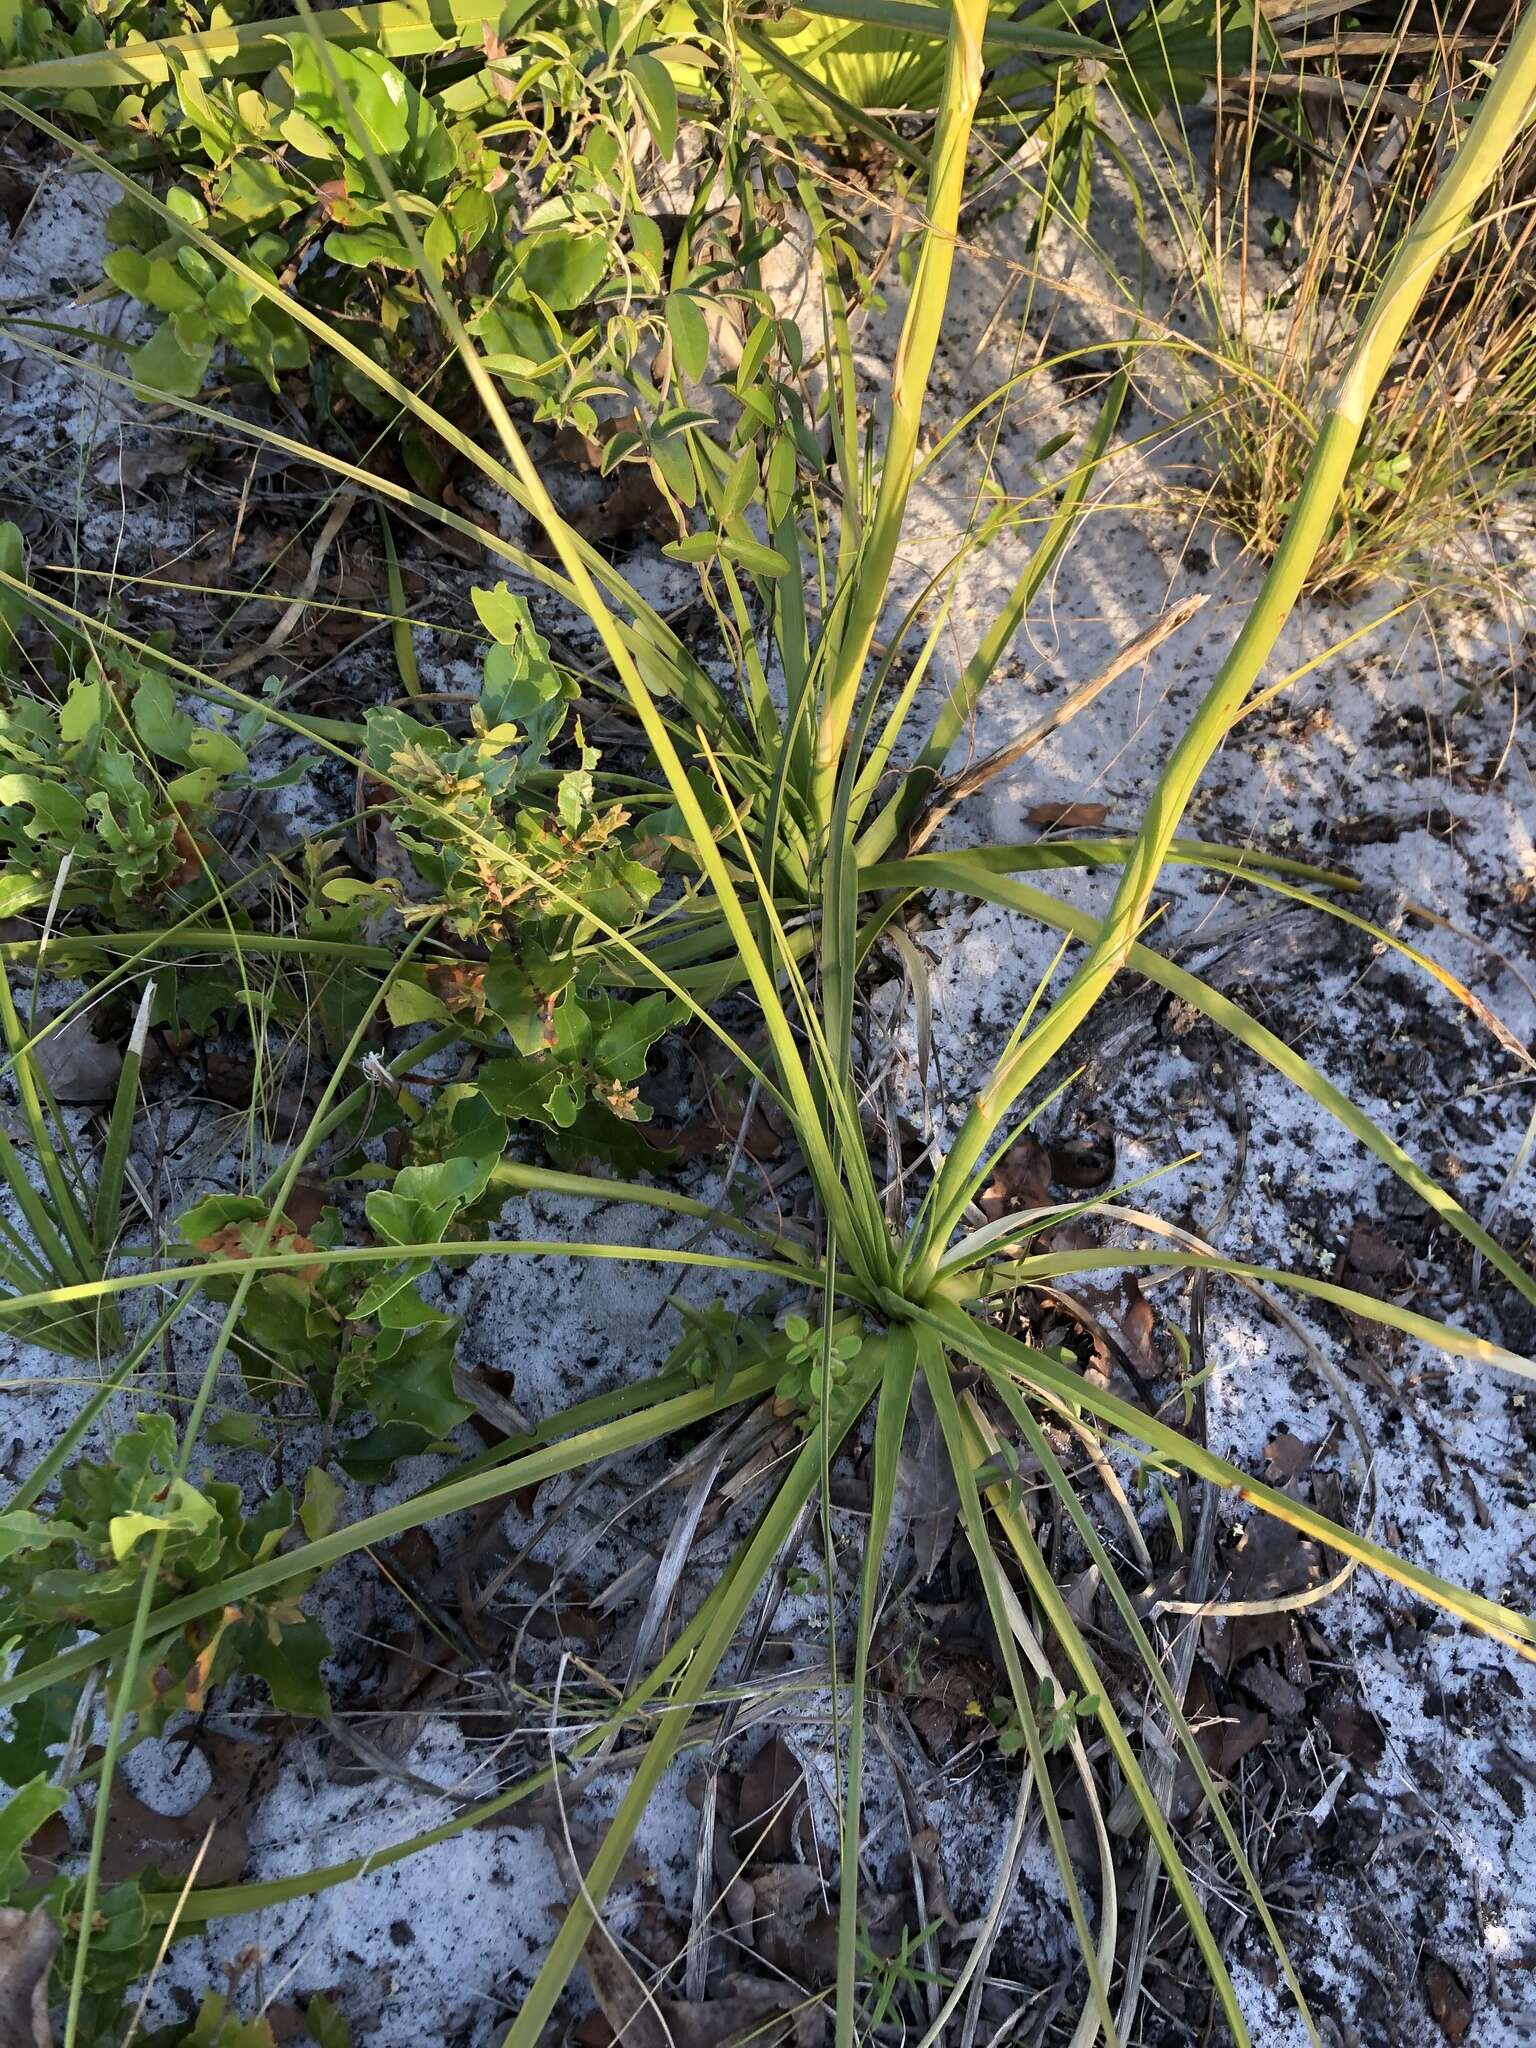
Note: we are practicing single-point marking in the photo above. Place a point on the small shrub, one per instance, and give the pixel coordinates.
(118, 780)
(537, 186)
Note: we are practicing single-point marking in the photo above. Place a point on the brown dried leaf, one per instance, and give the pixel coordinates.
(1241, 1731)
(926, 1494)
(1355, 1732)
(1085, 1160)
(772, 1793)
(77, 1065)
(305, 1205)
(585, 451)
(1224, 1734)
(1267, 1559)
(1081, 1596)
(795, 1931)
(494, 49)
(27, 1944)
(129, 469)
(1271, 1558)
(1066, 817)
(633, 509)
(937, 1725)
(1372, 1253)
(1022, 1180)
(927, 1855)
(137, 1835)
(1449, 2002)
(753, 2009)
(1137, 1327)
(1272, 1689)
(1289, 1456)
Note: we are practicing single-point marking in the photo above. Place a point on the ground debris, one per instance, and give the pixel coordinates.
(1268, 1561)
(79, 1067)
(1449, 2003)
(1021, 1181)
(1066, 817)
(1355, 1733)
(773, 1804)
(27, 1945)
(927, 1497)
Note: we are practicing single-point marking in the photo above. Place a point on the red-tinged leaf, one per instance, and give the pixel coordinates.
(1066, 817)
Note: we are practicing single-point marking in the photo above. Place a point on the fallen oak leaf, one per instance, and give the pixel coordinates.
(137, 1835)
(1085, 1160)
(1138, 1327)
(1267, 1560)
(632, 509)
(1449, 2002)
(27, 1945)
(1354, 1732)
(1288, 1456)
(927, 1856)
(1372, 1253)
(78, 1066)
(304, 1205)
(795, 1931)
(1272, 1689)
(927, 1497)
(1021, 1180)
(772, 1792)
(1066, 817)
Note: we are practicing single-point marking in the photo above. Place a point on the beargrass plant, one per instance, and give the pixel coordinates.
(785, 858)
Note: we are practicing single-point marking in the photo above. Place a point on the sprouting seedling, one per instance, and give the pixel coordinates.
(1056, 1714)
(814, 1364)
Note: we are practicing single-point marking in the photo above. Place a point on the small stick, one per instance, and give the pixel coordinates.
(1136, 650)
(335, 520)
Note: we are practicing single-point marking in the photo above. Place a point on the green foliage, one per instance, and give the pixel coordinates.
(1056, 1715)
(522, 179)
(1452, 435)
(719, 1342)
(286, 184)
(899, 1971)
(527, 859)
(813, 1367)
(346, 1345)
(81, 1565)
(123, 1938)
(217, 2027)
(757, 780)
(574, 1047)
(30, 32)
(116, 777)
(503, 847)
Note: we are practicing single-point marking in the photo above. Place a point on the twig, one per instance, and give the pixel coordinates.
(336, 518)
(1136, 650)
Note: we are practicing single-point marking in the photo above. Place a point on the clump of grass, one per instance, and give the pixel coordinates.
(1454, 425)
